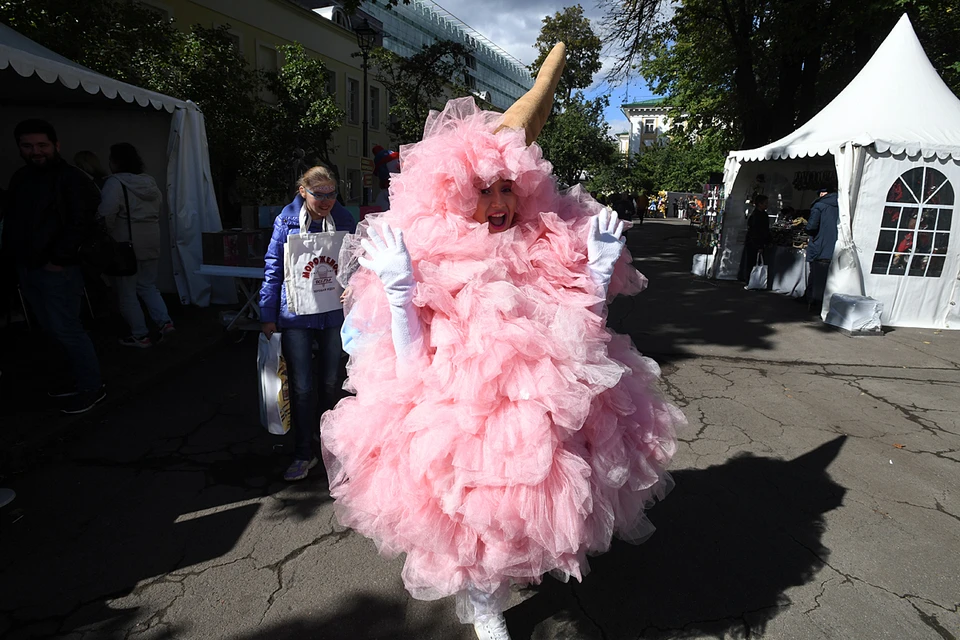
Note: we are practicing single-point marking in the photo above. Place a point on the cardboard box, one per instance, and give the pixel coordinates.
(235, 248)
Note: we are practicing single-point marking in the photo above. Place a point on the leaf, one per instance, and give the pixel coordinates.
(898, 445)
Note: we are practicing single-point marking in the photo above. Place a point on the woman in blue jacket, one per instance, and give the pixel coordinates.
(317, 198)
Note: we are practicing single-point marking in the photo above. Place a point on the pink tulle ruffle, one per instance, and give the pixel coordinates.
(529, 434)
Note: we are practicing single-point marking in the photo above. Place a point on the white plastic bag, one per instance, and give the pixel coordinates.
(702, 264)
(758, 275)
(274, 394)
(310, 266)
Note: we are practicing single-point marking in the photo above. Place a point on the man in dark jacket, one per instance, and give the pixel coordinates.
(50, 207)
(822, 229)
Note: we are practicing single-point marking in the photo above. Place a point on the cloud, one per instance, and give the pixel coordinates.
(510, 24)
(514, 25)
(617, 125)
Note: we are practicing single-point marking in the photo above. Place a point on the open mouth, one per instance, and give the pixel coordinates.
(498, 222)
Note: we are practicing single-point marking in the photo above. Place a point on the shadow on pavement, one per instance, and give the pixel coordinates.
(365, 617)
(165, 482)
(730, 540)
(680, 310)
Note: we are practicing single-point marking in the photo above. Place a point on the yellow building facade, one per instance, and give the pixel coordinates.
(260, 26)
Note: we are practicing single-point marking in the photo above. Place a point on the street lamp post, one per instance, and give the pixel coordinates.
(366, 35)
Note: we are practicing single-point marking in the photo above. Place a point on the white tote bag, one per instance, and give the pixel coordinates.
(310, 267)
(274, 394)
(758, 275)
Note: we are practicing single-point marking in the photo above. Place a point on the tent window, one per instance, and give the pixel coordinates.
(915, 226)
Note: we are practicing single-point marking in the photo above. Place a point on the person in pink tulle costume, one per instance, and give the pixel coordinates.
(507, 432)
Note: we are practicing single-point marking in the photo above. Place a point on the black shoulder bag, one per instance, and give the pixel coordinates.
(101, 251)
(124, 262)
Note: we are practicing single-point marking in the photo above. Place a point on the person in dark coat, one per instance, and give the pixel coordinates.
(50, 208)
(758, 238)
(822, 228)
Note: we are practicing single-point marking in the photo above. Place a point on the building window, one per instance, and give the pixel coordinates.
(332, 84)
(915, 228)
(374, 107)
(648, 126)
(236, 41)
(354, 185)
(267, 62)
(353, 101)
(391, 103)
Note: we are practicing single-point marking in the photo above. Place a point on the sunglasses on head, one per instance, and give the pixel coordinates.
(322, 196)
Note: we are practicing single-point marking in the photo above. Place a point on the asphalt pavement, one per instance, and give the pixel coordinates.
(816, 498)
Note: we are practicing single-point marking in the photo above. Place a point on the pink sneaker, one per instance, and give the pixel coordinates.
(167, 328)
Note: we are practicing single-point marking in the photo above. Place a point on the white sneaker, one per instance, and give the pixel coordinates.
(491, 628)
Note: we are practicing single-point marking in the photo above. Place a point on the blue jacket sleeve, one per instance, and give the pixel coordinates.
(273, 273)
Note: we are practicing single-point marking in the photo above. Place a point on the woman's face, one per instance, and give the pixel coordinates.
(497, 206)
(319, 199)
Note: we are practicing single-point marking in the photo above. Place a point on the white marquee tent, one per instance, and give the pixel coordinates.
(892, 137)
(91, 111)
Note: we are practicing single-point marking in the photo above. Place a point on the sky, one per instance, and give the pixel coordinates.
(514, 25)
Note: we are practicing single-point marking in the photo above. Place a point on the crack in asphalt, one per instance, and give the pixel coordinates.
(928, 619)
(816, 598)
(278, 566)
(933, 622)
(586, 614)
(795, 363)
(157, 618)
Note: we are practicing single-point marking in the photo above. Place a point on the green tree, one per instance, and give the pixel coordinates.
(682, 164)
(572, 28)
(575, 139)
(296, 130)
(118, 38)
(754, 70)
(206, 67)
(419, 83)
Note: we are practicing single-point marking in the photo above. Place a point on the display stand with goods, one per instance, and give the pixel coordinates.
(708, 219)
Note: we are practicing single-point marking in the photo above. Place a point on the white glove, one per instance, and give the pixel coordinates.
(390, 260)
(604, 245)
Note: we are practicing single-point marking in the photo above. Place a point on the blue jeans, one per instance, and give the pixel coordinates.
(305, 374)
(142, 284)
(55, 297)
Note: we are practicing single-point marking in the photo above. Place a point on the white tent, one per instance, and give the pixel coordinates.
(892, 137)
(91, 111)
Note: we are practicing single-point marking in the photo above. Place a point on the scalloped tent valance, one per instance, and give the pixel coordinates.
(28, 58)
(897, 102)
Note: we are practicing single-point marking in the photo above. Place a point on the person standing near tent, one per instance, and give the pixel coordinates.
(822, 229)
(131, 211)
(50, 206)
(316, 198)
(758, 238)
